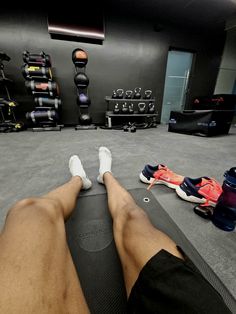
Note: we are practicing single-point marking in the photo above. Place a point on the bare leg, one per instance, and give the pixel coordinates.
(36, 269)
(137, 240)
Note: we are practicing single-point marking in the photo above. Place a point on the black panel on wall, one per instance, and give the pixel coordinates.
(134, 53)
(84, 24)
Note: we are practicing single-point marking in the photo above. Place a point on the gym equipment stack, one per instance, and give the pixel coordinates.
(80, 60)
(39, 82)
(128, 106)
(8, 122)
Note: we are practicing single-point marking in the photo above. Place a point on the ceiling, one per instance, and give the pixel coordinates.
(201, 14)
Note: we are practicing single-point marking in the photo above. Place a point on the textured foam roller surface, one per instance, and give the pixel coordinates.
(90, 238)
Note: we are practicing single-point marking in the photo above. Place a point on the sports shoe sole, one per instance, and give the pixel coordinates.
(191, 198)
(145, 180)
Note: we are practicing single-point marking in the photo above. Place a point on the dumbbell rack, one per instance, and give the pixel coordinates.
(110, 114)
(7, 105)
(80, 59)
(39, 82)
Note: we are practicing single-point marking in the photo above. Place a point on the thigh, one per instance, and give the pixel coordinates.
(36, 270)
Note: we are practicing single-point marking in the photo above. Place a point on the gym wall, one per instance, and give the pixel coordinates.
(134, 53)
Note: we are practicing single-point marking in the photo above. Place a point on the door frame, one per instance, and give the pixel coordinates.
(186, 104)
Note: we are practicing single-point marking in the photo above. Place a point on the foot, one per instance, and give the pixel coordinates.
(105, 163)
(76, 169)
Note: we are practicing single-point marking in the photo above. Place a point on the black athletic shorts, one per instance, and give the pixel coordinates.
(168, 284)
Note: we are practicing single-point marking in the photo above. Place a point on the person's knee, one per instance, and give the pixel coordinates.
(127, 223)
(35, 207)
(136, 215)
(133, 228)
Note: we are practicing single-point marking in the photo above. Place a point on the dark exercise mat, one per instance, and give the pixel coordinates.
(90, 238)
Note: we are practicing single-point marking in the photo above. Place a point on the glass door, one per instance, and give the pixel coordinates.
(179, 65)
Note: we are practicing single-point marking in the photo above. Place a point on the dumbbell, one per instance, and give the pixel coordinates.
(42, 116)
(116, 108)
(151, 107)
(126, 128)
(132, 128)
(30, 71)
(8, 102)
(128, 94)
(147, 94)
(42, 88)
(40, 59)
(141, 107)
(83, 100)
(137, 93)
(80, 58)
(81, 80)
(129, 127)
(48, 102)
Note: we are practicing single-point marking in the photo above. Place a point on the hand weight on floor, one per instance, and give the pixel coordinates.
(132, 128)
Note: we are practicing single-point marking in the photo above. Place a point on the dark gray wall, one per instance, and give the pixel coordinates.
(133, 54)
(227, 72)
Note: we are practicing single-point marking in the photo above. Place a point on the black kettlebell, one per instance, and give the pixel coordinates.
(141, 107)
(137, 93)
(120, 93)
(124, 108)
(85, 119)
(147, 94)
(116, 108)
(151, 107)
(131, 108)
(128, 94)
(114, 94)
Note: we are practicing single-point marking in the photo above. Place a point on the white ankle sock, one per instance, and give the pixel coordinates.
(105, 162)
(76, 169)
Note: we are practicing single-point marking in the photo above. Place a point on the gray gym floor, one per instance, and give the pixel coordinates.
(33, 163)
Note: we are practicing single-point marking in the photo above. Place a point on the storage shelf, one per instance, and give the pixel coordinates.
(135, 114)
(129, 99)
(110, 114)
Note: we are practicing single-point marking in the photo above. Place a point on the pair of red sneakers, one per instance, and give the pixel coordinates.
(203, 190)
